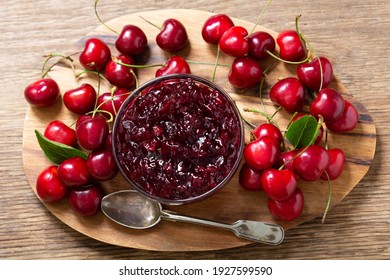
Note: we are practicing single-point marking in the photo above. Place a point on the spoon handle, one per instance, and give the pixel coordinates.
(267, 233)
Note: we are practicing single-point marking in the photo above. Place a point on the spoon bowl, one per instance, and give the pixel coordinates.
(131, 209)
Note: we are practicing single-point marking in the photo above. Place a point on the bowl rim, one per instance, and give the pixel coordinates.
(139, 91)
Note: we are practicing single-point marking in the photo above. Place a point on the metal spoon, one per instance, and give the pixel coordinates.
(131, 209)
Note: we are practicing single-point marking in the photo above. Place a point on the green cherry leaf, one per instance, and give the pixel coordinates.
(57, 152)
(303, 132)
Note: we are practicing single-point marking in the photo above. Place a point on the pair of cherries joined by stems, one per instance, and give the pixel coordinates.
(246, 70)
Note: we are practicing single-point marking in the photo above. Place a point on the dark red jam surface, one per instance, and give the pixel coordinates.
(178, 139)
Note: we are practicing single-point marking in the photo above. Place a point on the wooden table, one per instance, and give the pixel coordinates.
(353, 34)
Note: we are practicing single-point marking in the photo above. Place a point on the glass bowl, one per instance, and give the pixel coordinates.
(178, 139)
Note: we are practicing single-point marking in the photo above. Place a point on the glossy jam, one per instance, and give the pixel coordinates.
(178, 139)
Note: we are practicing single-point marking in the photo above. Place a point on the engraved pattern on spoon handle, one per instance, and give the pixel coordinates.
(267, 233)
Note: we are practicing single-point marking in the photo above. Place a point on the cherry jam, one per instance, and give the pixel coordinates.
(178, 139)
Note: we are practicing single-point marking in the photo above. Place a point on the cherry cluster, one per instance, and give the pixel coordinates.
(77, 176)
(272, 164)
(246, 70)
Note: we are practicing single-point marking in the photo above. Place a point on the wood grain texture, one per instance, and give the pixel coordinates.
(354, 36)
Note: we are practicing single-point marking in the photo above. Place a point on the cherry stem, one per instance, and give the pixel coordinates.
(135, 78)
(321, 75)
(63, 57)
(301, 37)
(273, 115)
(206, 63)
(269, 67)
(101, 21)
(98, 90)
(73, 123)
(289, 62)
(112, 91)
(96, 101)
(291, 120)
(261, 96)
(259, 17)
(112, 98)
(94, 112)
(269, 118)
(151, 23)
(216, 64)
(117, 61)
(311, 49)
(326, 139)
(258, 112)
(247, 124)
(91, 71)
(254, 111)
(329, 198)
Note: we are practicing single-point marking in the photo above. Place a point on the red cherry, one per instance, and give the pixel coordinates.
(73, 172)
(82, 118)
(288, 209)
(234, 41)
(42, 93)
(311, 163)
(92, 133)
(336, 164)
(59, 132)
(215, 26)
(279, 184)
(111, 102)
(259, 43)
(120, 75)
(286, 159)
(329, 104)
(80, 100)
(173, 36)
(320, 130)
(96, 55)
(268, 129)
(108, 144)
(289, 93)
(291, 48)
(85, 201)
(347, 121)
(310, 74)
(175, 65)
(101, 165)
(249, 178)
(49, 186)
(245, 72)
(261, 153)
(131, 41)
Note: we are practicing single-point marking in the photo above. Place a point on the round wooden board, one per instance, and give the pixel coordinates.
(232, 202)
